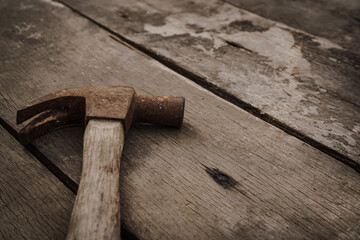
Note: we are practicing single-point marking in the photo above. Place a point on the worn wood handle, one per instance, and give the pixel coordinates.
(96, 212)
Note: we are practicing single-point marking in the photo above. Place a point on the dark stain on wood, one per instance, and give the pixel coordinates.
(199, 8)
(136, 17)
(247, 26)
(196, 27)
(221, 178)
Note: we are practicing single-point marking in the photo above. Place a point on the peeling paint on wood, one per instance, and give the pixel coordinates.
(308, 83)
(337, 20)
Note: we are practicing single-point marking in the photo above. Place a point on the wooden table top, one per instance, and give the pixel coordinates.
(270, 145)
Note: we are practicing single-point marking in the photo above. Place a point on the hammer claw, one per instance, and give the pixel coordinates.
(54, 113)
(45, 122)
(37, 106)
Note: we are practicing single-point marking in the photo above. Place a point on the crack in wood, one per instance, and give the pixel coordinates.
(237, 45)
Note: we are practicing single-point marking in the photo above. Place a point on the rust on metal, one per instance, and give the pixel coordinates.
(168, 111)
(79, 105)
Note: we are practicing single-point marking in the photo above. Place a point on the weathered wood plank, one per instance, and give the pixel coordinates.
(34, 204)
(308, 83)
(337, 20)
(224, 175)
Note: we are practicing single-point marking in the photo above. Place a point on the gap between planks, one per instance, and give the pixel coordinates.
(66, 180)
(218, 91)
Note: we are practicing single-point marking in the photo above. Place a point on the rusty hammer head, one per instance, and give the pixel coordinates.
(79, 105)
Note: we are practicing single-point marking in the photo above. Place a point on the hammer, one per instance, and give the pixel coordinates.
(108, 113)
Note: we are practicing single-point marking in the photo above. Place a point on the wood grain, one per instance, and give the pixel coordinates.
(34, 204)
(306, 82)
(336, 20)
(96, 212)
(224, 175)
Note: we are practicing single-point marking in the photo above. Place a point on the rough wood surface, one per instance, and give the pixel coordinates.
(224, 175)
(337, 20)
(96, 212)
(34, 204)
(308, 83)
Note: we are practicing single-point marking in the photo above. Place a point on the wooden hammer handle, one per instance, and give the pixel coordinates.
(96, 212)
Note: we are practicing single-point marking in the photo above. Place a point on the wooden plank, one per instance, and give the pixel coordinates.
(226, 174)
(337, 20)
(308, 83)
(34, 204)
